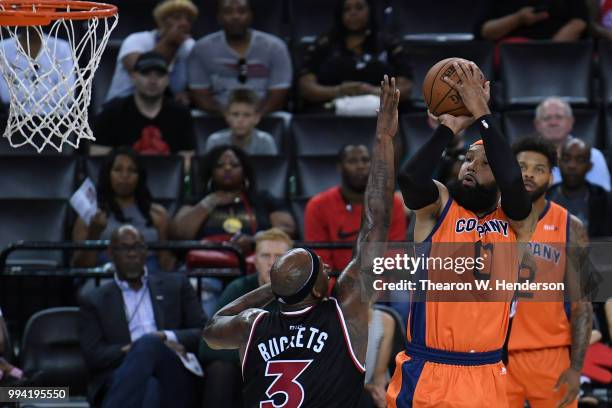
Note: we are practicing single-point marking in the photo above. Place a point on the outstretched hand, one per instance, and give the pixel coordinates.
(473, 93)
(387, 112)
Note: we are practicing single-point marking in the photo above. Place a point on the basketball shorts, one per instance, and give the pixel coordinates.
(532, 375)
(426, 377)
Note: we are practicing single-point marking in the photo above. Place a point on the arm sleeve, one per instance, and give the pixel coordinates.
(315, 228)
(415, 178)
(198, 77)
(514, 198)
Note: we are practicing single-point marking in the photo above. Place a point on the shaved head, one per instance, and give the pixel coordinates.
(291, 272)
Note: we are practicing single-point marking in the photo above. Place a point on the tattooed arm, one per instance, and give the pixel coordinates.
(581, 312)
(356, 279)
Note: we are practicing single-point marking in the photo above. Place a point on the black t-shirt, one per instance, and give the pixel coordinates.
(332, 63)
(560, 11)
(302, 358)
(121, 124)
(249, 215)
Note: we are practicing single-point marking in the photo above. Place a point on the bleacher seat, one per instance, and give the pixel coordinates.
(33, 220)
(50, 350)
(102, 78)
(535, 70)
(605, 67)
(423, 55)
(442, 19)
(164, 177)
(271, 175)
(37, 177)
(315, 135)
(298, 206)
(205, 125)
(316, 174)
(520, 123)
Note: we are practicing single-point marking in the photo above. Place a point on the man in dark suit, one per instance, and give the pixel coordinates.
(133, 329)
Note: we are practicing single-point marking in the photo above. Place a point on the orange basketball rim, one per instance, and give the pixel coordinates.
(43, 12)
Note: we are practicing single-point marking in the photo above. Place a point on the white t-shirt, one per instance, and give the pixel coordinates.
(144, 41)
(53, 66)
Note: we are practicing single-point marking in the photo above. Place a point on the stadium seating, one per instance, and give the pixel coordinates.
(444, 19)
(310, 19)
(316, 135)
(423, 55)
(271, 175)
(520, 123)
(33, 220)
(37, 177)
(164, 176)
(605, 68)
(535, 70)
(316, 174)
(298, 206)
(50, 351)
(205, 125)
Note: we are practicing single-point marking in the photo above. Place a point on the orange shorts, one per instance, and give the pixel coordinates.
(422, 384)
(532, 375)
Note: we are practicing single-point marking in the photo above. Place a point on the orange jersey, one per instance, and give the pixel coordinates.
(538, 324)
(477, 326)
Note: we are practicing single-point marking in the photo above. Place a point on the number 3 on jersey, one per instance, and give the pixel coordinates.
(286, 373)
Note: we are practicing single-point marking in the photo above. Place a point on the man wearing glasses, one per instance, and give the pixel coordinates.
(239, 57)
(137, 332)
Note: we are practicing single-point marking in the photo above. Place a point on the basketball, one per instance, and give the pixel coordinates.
(439, 97)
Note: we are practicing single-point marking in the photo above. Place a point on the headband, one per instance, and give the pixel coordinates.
(308, 285)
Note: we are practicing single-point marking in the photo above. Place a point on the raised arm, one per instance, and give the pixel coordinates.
(230, 326)
(581, 312)
(377, 206)
(514, 198)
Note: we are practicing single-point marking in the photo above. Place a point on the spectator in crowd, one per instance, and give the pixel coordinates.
(587, 201)
(601, 18)
(381, 329)
(232, 208)
(352, 57)
(533, 20)
(223, 382)
(49, 65)
(133, 329)
(242, 117)
(8, 372)
(239, 57)
(148, 120)
(334, 215)
(123, 196)
(171, 39)
(554, 121)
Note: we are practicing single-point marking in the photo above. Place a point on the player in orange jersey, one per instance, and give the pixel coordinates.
(548, 339)
(454, 352)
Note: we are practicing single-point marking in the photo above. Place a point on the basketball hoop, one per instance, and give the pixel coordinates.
(49, 74)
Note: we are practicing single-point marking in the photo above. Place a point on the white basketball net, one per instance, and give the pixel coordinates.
(50, 92)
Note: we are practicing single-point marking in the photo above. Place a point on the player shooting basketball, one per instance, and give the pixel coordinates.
(311, 353)
(454, 354)
(548, 339)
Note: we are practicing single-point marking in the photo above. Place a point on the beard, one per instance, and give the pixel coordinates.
(476, 199)
(356, 184)
(539, 192)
